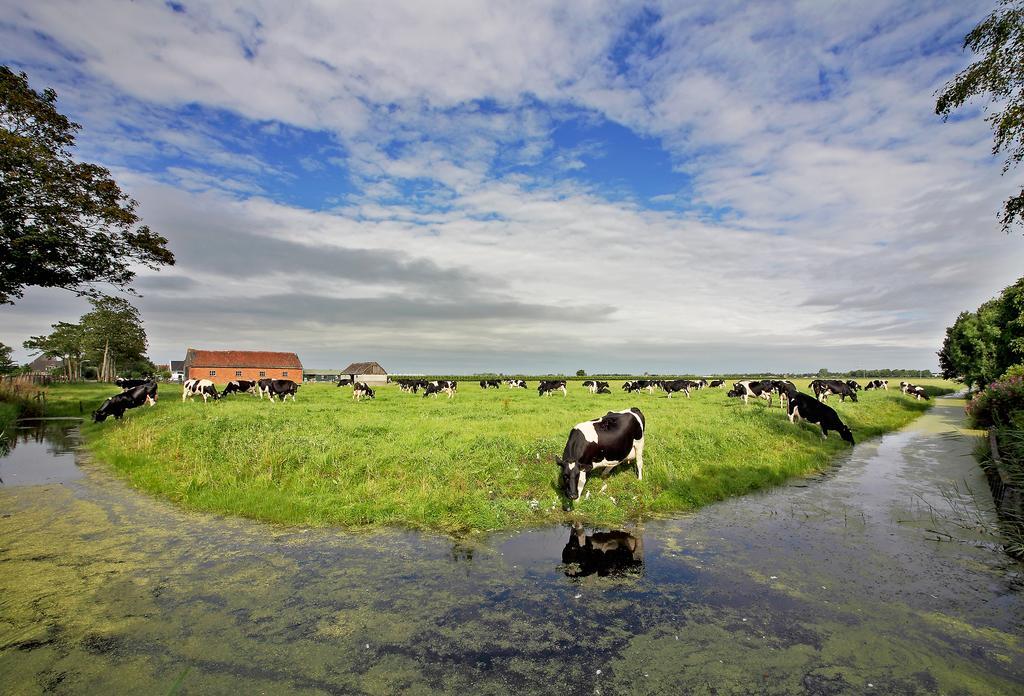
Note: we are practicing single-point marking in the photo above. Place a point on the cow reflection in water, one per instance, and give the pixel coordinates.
(604, 553)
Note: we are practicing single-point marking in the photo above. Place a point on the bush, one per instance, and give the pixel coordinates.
(1000, 403)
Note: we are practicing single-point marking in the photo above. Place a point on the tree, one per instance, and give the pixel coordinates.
(7, 364)
(63, 224)
(999, 75)
(113, 334)
(66, 342)
(581, 373)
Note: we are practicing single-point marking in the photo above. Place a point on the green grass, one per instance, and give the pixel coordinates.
(481, 461)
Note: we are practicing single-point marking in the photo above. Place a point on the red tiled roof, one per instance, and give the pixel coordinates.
(244, 358)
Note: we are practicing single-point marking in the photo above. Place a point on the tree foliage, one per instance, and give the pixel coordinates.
(998, 74)
(984, 344)
(63, 224)
(7, 364)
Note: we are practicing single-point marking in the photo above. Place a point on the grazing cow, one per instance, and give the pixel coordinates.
(678, 385)
(134, 397)
(516, 384)
(127, 384)
(602, 443)
(824, 388)
(811, 410)
(442, 386)
(785, 389)
(640, 384)
(597, 387)
(549, 386)
(877, 384)
(361, 390)
(490, 384)
(627, 385)
(718, 383)
(239, 386)
(852, 384)
(604, 553)
(411, 385)
(202, 387)
(343, 382)
(281, 388)
(751, 388)
(915, 391)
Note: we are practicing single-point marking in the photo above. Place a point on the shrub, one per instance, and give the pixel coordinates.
(1000, 403)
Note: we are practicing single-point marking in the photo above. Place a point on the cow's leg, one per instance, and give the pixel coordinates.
(794, 415)
(824, 433)
(687, 392)
(638, 449)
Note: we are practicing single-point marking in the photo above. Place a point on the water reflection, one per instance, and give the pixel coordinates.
(605, 553)
(39, 450)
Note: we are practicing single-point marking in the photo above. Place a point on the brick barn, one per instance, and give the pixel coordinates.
(222, 366)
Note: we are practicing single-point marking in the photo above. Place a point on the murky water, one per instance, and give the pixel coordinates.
(880, 576)
(39, 450)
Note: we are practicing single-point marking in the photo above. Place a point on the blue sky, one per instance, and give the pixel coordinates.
(461, 186)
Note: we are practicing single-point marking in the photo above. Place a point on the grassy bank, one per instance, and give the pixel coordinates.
(480, 461)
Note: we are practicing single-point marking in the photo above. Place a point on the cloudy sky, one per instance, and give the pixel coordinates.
(464, 186)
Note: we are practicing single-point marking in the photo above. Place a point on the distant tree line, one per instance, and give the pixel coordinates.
(983, 345)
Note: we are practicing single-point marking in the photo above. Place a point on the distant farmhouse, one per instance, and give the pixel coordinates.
(45, 364)
(177, 370)
(226, 365)
(368, 372)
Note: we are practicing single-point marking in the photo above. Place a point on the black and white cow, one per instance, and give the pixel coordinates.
(810, 409)
(281, 388)
(597, 387)
(344, 382)
(718, 383)
(239, 386)
(548, 387)
(877, 384)
(361, 390)
(627, 386)
(913, 390)
(785, 389)
(824, 388)
(127, 384)
(411, 385)
(202, 387)
(604, 553)
(602, 443)
(852, 384)
(490, 384)
(441, 386)
(134, 397)
(678, 385)
(748, 388)
(516, 384)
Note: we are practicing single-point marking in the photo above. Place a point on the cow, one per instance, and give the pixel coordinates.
(877, 384)
(627, 386)
(361, 390)
(134, 397)
(602, 443)
(549, 386)
(700, 384)
(411, 385)
(749, 388)
(203, 387)
(343, 382)
(605, 553)
(915, 391)
(852, 384)
(490, 384)
(281, 388)
(597, 387)
(678, 385)
(824, 388)
(640, 384)
(785, 389)
(516, 384)
(444, 386)
(127, 384)
(718, 383)
(239, 386)
(802, 406)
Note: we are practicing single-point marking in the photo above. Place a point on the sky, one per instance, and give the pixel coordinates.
(689, 187)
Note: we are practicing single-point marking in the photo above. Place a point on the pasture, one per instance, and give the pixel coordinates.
(480, 461)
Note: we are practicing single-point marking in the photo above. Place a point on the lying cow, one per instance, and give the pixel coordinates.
(281, 388)
(134, 397)
(810, 409)
(361, 390)
(748, 388)
(344, 382)
(239, 386)
(441, 386)
(603, 553)
(824, 388)
(516, 384)
(877, 384)
(603, 443)
(202, 387)
(490, 384)
(550, 386)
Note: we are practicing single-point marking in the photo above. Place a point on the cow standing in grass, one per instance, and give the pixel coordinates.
(803, 406)
(201, 387)
(602, 444)
(362, 391)
(116, 405)
(550, 386)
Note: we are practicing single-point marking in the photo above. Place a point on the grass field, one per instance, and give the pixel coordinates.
(480, 461)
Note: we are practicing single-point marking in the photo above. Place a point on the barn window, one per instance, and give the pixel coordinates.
(263, 373)
(238, 373)
(285, 373)
(213, 373)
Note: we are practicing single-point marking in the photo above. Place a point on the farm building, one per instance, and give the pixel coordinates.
(177, 369)
(368, 372)
(225, 365)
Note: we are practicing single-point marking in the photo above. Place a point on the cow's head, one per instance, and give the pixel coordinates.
(734, 392)
(100, 414)
(574, 477)
(845, 433)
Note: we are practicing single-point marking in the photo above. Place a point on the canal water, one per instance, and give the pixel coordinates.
(883, 575)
